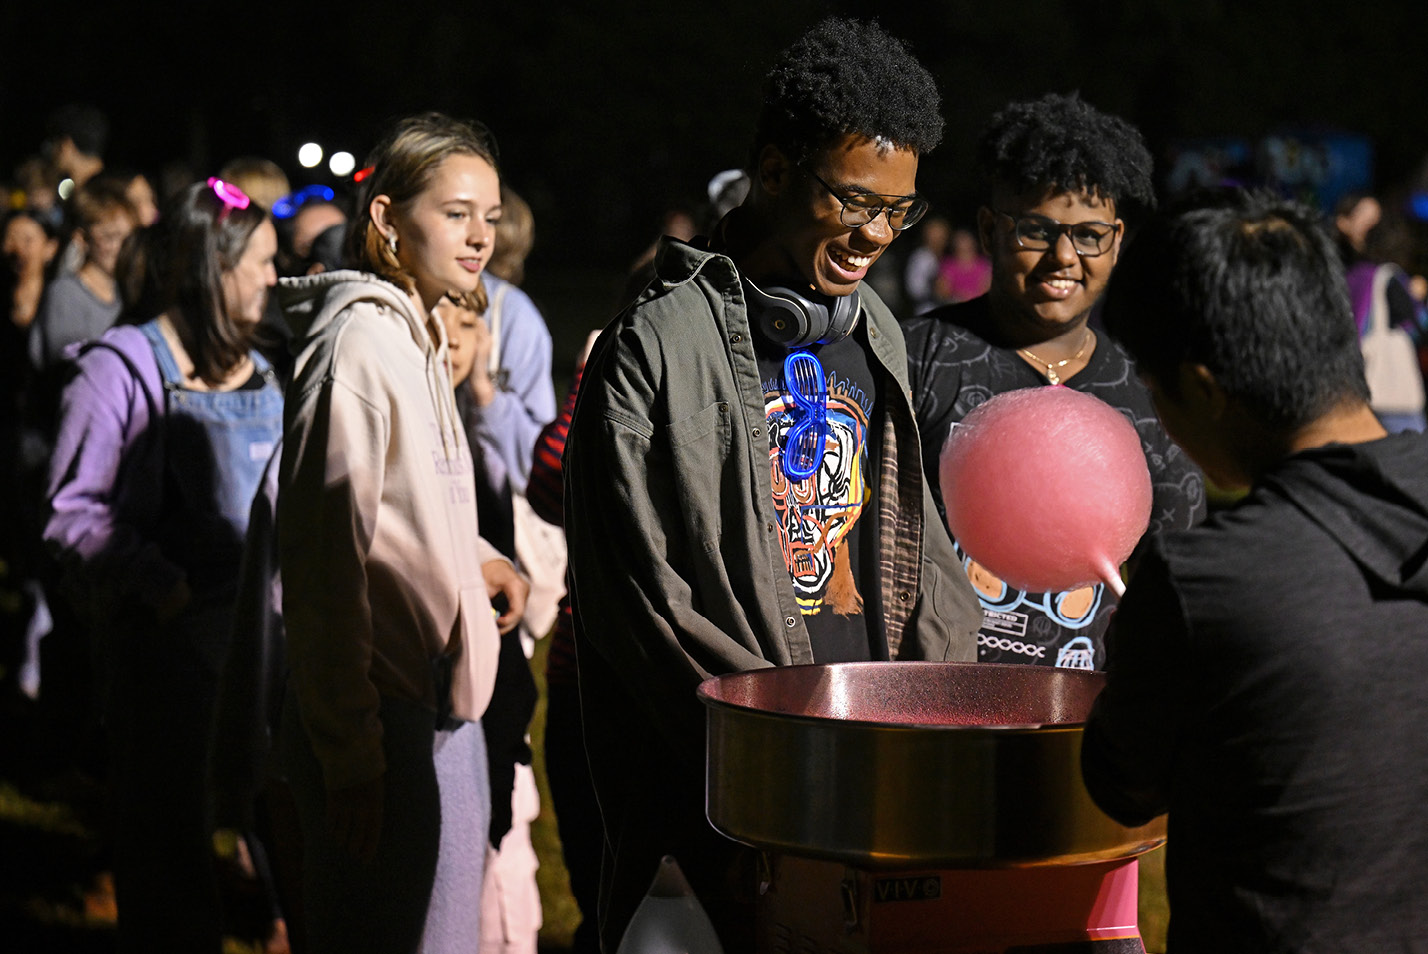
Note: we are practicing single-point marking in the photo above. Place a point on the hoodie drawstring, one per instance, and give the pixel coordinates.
(443, 397)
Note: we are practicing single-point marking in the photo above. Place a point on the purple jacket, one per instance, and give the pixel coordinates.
(106, 475)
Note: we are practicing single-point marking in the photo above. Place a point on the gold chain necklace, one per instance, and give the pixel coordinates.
(1051, 367)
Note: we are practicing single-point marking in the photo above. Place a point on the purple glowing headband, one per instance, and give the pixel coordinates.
(229, 194)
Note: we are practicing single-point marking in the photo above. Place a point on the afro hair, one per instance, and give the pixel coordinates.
(844, 76)
(1065, 144)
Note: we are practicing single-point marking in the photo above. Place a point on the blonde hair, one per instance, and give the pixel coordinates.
(401, 167)
(515, 236)
(262, 180)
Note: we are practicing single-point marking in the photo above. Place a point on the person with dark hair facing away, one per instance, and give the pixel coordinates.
(163, 434)
(75, 137)
(1058, 176)
(743, 480)
(1267, 667)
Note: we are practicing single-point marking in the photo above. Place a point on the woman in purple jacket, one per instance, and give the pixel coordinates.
(164, 432)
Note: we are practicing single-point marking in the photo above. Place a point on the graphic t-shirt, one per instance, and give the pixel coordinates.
(821, 518)
(954, 364)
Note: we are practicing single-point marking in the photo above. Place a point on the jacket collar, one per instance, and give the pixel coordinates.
(677, 263)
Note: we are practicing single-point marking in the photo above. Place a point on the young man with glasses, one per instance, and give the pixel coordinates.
(1058, 174)
(744, 485)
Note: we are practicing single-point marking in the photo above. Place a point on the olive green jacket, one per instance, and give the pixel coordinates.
(675, 563)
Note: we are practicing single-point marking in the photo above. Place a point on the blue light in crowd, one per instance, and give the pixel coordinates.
(287, 206)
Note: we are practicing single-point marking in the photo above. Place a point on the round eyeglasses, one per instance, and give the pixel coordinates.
(903, 211)
(1038, 233)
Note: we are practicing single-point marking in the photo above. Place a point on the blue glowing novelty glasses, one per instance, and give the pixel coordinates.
(808, 438)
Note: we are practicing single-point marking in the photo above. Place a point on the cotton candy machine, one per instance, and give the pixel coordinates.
(934, 807)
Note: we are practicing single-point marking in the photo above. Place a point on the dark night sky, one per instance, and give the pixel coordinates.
(609, 112)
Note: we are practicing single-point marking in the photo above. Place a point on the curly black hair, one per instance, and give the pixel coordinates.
(1066, 144)
(846, 76)
(1249, 285)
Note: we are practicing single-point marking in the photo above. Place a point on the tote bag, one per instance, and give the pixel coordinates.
(1390, 360)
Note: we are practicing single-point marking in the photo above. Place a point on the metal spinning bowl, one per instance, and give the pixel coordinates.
(896, 765)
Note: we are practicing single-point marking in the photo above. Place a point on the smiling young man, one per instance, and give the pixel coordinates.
(1267, 668)
(1058, 176)
(725, 515)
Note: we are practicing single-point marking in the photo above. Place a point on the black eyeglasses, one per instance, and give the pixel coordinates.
(904, 211)
(1039, 233)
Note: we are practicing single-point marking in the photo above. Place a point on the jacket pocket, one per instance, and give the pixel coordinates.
(473, 669)
(699, 454)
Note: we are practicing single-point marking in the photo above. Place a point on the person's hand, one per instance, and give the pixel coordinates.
(173, 603)
(482, 387)
(589, 347)
(355, 817)
(502, 579)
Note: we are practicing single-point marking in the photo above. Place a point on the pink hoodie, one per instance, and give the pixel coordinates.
(378, 543)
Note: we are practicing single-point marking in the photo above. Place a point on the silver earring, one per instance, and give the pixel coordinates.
(392, 242)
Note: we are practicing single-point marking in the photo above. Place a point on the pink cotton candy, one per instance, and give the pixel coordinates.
(1047, 488)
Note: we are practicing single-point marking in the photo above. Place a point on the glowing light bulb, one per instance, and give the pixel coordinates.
(309, 155)
(342, 163)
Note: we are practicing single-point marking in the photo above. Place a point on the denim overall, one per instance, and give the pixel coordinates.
(215, 446)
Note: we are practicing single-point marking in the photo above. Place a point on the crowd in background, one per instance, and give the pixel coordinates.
(145, 361)
(89, 258)
(89, 246)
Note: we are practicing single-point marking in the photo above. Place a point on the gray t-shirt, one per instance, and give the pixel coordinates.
(68, 312)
